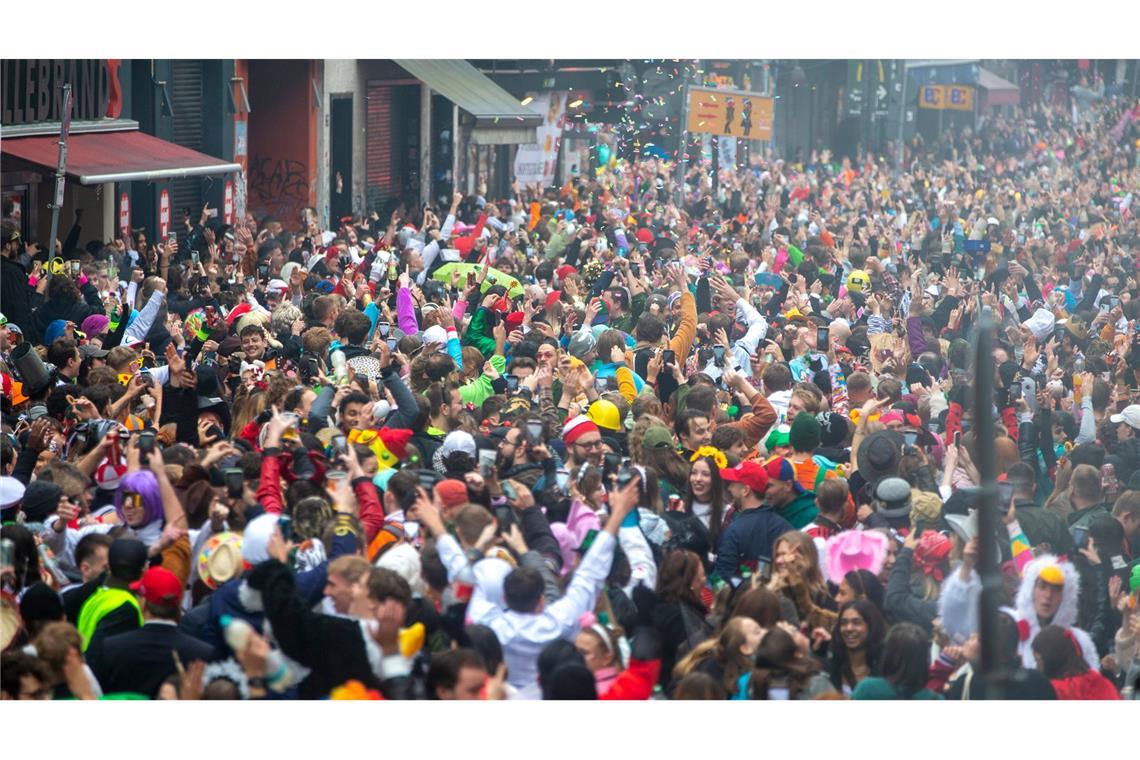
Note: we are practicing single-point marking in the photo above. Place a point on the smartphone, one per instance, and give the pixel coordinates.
(512, 383)
(1005, 494)
(509, 491)
(75, 265)
(909, 438)
(601, 384)
(340, 444)
(235, 480)
(144, 373)
(610, 465)
(718, 355)
(383, 328)
(1080, 537)
(285, 523)
(919, 528)
(392, 343)
(563, 480)
(194, 257)
(957, 437)
(487, 462)
(822, 338)
(145, 442)
(504, 516)
(635, 269)
(534, 430)
(668, 357)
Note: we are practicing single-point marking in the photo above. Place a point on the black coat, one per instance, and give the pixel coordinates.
(681, 626)
(17, 298)
(140, 661)
(66, 309)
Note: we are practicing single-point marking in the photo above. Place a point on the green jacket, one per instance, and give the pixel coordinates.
(627, 321)
(479, 390)
(800, 511)
(477, 334)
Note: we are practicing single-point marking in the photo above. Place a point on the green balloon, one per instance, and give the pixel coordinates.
(603, 154)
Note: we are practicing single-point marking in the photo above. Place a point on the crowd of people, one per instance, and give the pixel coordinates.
(620, 439)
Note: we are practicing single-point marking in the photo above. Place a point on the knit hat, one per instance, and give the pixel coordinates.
(552, 298)
(564, 271)
(578, 426)
(95, 324)
(581, 344)
(40, 603)
(805, 433)
(513, 320)
(255, 538)
(41, 499)
(925, 506)
(833, 428)
(605, 414)
(451, 493)
(55, 329)
(933, 549)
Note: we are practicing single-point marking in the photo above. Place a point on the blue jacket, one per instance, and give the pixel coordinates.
(749, 536)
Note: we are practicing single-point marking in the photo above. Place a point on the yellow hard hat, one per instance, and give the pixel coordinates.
(605, 415)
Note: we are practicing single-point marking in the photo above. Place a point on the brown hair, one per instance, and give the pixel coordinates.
(350, 567)
(675, 577)
(53, 645)
(470, 522)
(1085, 483)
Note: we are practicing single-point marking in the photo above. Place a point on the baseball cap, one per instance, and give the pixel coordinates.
(749, 473)
(159, 586)
(1129, 415)
(779, 468)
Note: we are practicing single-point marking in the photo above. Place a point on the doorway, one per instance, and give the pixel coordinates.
(340, 159)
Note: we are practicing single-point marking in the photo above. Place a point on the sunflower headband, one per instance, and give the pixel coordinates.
(710, 451)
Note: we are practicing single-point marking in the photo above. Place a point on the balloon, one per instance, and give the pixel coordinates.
(603, 154)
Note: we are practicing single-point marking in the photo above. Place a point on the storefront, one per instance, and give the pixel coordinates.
(110, 161)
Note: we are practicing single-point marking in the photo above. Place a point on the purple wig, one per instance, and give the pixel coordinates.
(145, 484)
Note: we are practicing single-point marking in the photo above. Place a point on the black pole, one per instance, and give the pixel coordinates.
(992, 672)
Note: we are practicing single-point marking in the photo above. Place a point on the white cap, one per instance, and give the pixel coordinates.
(11, 491)
(1130, 415)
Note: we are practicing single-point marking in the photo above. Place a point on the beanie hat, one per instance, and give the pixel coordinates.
(240, 310)
(55, 329)
(805, 433)
(925, 506)
(577, 427)
(552, 298)
(564, 271)
(778, 437)
(451, 493)
(581, 344)
(833, 428)
(931, 554)
(513, 320)
(95, 324)
(40, 602)
(41, 499)
(255, 538)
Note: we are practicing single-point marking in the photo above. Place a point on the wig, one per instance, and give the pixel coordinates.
(145, 484)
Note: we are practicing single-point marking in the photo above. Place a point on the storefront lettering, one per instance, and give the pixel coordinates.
(33, 90)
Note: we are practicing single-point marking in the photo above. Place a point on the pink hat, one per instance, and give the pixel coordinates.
(855, 550)
(580, 521)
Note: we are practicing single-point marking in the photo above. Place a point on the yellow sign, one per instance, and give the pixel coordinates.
(732, 113)
(954, 97)
(960, 97)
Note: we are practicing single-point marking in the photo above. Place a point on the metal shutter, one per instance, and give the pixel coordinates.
(187, 131)
(380, 180)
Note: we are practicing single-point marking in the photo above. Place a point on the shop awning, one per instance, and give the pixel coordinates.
(99, 157)
(999, 92)
(463, 84)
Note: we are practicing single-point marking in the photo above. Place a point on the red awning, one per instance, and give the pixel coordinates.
(999, 92)
(94, 158)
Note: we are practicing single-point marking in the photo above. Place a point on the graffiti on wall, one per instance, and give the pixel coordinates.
(278, 187)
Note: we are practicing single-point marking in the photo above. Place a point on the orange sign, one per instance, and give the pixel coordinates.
(954, 97)
(732, 113)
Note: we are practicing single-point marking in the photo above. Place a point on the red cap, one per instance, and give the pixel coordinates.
(564, 271)
(749, 473)
(513, 320)
(159, 586)
(452, 492)
(552, 298)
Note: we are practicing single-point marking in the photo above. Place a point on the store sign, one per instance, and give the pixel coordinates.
(33, 90)
(228, 203)
(125, 214)
(163, 215)
(732, 113)
(952, 97)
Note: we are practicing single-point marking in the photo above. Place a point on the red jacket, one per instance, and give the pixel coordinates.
(1088, 685)
(635, 682)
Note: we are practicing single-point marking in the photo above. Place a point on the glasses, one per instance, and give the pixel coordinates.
(590, 445)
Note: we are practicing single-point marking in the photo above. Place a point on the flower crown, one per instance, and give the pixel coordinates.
(710, 451)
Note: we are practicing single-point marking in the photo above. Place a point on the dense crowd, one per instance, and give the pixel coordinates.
(620, 439)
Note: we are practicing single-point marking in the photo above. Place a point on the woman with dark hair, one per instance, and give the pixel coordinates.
(856, 643)
(698, 685)
(26, 558)
(672, 470)
(1021, 684)
(760, 604)
(860, 584)
(904, 668)
(705, 494)
(680, 616)
(1059, 657)
(784, 670)
(727, 657)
